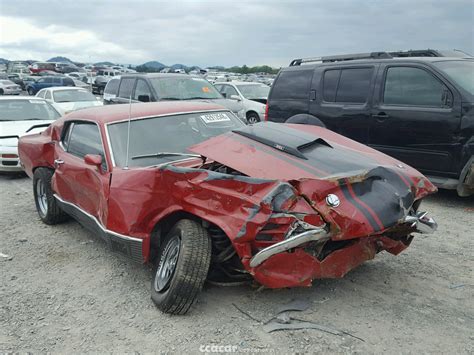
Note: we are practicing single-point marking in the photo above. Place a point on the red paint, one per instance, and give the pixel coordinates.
(132, 202)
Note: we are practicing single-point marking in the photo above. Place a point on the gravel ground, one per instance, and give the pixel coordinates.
(64, 291)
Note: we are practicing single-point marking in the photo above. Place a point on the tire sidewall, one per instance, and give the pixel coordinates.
(255, 116)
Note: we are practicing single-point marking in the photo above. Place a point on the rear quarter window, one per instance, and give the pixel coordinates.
(292, 84)
(351, 85)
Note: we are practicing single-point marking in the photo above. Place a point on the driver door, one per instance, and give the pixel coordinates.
(84, 187)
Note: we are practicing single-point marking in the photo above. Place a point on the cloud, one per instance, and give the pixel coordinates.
(229, 33)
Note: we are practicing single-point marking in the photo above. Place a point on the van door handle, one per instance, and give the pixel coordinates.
(381, 116)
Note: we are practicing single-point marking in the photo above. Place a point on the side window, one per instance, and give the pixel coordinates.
(292, 84)
(126, 86)
(41, 94)
(48, 80)
(219, 88)
(413, 87)
(330, 81)
(229, 90)
(112, 87)
(66, 134)
(84, 138)
(47, 95)
(347, 85)
(57, 81)
(141, 88)
(354, 85)
(42, 80)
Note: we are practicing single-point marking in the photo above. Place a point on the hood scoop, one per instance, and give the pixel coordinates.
(282, 137)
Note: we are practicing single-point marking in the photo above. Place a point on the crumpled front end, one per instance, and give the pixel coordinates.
(325, 228)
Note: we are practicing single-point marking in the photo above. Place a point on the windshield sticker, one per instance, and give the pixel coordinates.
(215, 117)
(37, 102)
(206, 89)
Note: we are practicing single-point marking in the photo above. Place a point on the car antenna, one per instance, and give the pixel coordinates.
(128, 131)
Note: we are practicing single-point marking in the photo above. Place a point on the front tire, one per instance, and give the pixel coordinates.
(181, 267)
(46, 205)
(31, 92)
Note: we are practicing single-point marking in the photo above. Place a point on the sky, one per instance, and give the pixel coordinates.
(228, 33)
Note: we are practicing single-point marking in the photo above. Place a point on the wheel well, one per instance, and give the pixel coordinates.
(163, 226)
(251, 112)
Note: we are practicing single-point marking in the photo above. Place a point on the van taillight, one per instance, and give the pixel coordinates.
(266, 112)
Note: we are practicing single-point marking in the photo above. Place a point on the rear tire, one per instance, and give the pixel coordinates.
(181, 267)
(1, 91)
(46, 205)
(31, 92)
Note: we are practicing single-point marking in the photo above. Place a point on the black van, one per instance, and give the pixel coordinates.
(419, 110)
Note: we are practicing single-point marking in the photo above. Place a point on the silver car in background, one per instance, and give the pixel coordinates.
(253, 97)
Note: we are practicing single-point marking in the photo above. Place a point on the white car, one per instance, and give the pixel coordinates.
(66, 99)
(8, 87)
(253, 97)
(19, 116)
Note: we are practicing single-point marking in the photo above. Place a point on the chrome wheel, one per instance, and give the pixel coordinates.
(167, 266)
(41, 197)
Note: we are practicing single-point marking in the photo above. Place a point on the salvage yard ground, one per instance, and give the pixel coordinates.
(62, 290)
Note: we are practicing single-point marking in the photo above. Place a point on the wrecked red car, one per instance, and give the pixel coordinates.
(191, 189)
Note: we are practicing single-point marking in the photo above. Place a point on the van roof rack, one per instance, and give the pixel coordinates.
(338, 58)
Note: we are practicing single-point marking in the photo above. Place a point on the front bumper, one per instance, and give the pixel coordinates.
(12, 91)
(418, 223)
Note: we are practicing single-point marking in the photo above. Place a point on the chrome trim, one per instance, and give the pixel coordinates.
(126, 237)
(289, 243)
(148, 117)
(422, 223)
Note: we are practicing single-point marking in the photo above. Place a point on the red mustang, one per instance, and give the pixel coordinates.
(190, 188)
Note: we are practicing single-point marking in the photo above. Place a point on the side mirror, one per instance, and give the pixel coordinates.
(144, 98)
(93, 159)
(235, 97)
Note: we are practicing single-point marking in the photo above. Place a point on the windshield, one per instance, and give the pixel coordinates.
(6, 82)
(171, 134)
(184, 88)
(19, 110)
(461, 71)
(254, 91)
(73, 96)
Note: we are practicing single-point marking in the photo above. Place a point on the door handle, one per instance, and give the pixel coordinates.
(58, 162)
(381, 116)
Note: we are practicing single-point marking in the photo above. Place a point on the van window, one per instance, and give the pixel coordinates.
(413, 87)
(292, 84)
(126, 86)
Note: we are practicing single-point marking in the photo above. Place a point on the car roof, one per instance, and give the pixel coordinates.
(155, 75)
(24, 97)
(377, 61)
(236, 82)
(59, 88)
(113, 113)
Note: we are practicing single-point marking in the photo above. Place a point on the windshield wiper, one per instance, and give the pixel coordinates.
(169, 98)
(165, 154)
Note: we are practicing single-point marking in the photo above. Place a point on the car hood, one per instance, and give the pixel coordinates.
(65, 107)
(232, 105)
(12, 129)
(318, 162)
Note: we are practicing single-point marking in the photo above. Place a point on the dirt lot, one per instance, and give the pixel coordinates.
(64, 291)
